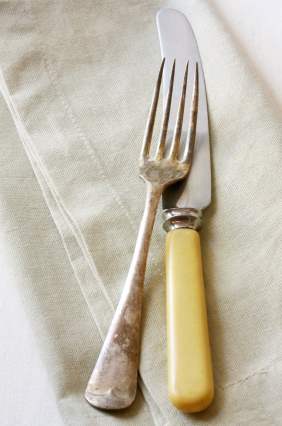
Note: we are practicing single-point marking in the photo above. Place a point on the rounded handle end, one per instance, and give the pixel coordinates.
(193, 400)
(108, 400)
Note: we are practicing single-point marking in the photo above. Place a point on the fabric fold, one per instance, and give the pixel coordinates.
(78, 82)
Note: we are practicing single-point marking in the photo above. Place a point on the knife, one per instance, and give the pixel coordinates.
(190, 377)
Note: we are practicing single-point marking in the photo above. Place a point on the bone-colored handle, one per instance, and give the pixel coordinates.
(190, 377)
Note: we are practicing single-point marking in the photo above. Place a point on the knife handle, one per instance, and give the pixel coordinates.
(190, 377)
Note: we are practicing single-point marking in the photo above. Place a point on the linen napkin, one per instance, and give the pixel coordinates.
(78, 79)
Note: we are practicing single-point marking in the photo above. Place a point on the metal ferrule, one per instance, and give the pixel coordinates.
(182, 218)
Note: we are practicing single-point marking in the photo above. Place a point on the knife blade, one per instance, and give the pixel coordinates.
(190, 377)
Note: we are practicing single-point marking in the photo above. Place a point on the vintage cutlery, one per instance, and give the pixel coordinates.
(114, 380)
(190, 377)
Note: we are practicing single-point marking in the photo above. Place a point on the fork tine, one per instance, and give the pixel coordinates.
(151, 120)
(161, 144)
(178, 129)
(189, 148)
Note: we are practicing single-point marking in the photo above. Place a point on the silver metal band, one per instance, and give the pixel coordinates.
(182, 218)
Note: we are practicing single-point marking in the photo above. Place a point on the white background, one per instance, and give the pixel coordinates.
(26, 398)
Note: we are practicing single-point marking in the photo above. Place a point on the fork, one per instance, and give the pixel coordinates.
(113, 383)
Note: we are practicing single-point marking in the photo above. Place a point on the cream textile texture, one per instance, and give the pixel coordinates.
(78, 80)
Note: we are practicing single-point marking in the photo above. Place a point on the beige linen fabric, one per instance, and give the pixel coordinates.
(78, 78)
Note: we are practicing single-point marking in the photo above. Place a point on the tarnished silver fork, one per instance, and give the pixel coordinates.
(113, 382)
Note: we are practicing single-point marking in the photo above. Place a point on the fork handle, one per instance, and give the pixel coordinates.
(190, 377)
(113, 382)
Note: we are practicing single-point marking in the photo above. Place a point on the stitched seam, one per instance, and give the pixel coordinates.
(250, 375)
(84, 139)
(34, 158)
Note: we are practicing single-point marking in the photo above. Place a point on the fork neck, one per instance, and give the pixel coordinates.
(154, 190)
